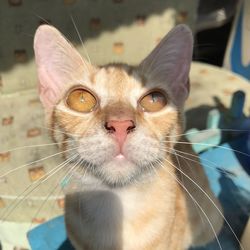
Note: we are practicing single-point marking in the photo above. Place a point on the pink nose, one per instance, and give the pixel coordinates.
(120, 129)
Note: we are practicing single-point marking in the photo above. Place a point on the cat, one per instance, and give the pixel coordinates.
(124, 125)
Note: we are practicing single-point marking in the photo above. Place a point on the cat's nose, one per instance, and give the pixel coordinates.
(120, 129)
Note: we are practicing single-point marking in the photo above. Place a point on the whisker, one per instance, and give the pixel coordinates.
(79, 36)
(56, 130)
(40, 17)
(33, 198)
(208, 144)
(209, 129)
(68, 179)
(182, 172)
(31, 146)
(54, 188)
(30, 163)
(37, 183)
(216, 237)
(177, 158)
(197, 161)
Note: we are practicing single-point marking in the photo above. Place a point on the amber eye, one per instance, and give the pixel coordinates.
(81, 100)
(153, 101)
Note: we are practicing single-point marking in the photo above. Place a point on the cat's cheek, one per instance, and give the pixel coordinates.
(143, 150)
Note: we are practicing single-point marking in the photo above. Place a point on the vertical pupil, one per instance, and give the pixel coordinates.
(82, 98)
(154, 97)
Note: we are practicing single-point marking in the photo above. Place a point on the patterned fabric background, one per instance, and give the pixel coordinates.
(112, 30)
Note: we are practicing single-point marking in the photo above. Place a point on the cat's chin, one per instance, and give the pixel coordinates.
(119, 164)
(118, 171)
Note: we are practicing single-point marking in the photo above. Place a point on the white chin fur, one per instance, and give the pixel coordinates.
(118, 171)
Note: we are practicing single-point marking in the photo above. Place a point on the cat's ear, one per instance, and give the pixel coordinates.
(58, 64)
(169, 63)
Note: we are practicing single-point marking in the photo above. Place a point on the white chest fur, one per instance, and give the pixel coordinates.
(102, 218)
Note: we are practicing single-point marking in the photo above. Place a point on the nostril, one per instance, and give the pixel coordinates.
(109, 127)
(131, 128)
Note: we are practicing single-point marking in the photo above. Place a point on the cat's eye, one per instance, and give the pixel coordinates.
(153, 101)
(81, 100)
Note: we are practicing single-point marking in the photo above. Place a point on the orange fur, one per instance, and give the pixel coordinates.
(145, 200)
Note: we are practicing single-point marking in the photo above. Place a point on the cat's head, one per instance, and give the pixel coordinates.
(122, 120)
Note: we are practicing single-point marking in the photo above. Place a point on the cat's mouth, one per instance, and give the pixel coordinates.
(120, 160)
(120, 157)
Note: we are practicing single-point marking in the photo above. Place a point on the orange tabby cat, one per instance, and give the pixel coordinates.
(123, 125)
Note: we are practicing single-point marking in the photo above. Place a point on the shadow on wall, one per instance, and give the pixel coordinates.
(19, 20)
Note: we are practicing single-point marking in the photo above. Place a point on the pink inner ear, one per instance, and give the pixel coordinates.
(58, 64)
(48, 92)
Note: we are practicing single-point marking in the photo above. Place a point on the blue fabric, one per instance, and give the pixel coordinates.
(231, 184)
(236, 53)
(50, 235)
